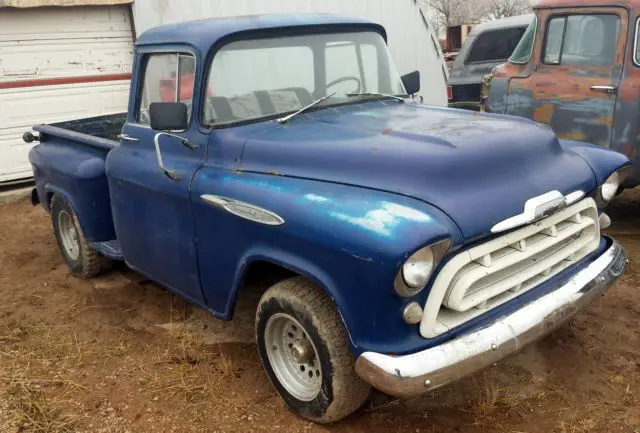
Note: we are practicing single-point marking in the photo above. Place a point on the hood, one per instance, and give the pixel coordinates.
(471, 74)
(478, 168)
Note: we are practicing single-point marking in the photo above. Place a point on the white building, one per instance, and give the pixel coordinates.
(59, 63)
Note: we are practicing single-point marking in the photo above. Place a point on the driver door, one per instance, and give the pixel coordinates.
(151, 209)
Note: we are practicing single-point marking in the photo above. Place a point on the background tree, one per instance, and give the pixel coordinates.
(506, 8)
(445, 13)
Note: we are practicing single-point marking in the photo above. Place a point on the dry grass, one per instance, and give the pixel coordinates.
(34, 412)
(491, 402)
(593, 417)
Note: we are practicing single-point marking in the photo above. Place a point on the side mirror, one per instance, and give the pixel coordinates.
(411, 82)
(168, 116)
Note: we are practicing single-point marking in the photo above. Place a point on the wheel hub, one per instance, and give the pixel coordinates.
(293, 357)
(302, 352)
(68, 235)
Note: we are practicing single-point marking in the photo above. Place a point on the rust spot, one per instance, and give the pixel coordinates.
(544, 114)
(387, 131)
(604, 120)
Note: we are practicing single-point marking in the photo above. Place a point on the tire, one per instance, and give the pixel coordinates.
(82, 260)
(300, 326)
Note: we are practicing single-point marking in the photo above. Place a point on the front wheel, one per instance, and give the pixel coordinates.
(305, 352)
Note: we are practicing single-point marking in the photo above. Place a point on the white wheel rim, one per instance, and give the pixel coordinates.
(293, 357)
(69, 235)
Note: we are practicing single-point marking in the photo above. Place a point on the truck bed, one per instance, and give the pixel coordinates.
(107, 126)
(99, 132)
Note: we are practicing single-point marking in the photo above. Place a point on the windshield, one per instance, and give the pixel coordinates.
(524, 50)
(259, 78)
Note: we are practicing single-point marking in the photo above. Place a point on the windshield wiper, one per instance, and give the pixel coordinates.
(285, 119)
(397, 98)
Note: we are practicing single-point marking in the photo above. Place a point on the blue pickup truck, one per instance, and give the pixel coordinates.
(408, 245)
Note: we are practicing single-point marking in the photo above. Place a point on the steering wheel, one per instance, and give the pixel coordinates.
(343, 79)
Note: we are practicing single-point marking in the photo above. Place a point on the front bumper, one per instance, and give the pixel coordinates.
(420, 372)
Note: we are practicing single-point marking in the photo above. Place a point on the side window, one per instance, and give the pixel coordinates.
(582, 40)
(555, 31)
(167, 78)
(342, 64)
(495, 45)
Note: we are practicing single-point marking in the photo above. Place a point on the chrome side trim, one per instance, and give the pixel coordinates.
(636, 61)
(127, 137)
(243, 210)
(538, 207)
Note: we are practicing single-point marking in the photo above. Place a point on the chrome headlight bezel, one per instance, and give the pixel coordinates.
(423, 262)
(610, 187)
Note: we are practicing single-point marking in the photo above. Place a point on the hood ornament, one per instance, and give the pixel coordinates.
(537, 208)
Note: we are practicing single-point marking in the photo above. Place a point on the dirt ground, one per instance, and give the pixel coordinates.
(120, 354)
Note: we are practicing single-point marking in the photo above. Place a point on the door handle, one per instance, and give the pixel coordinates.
(606, 89)
(126, 137)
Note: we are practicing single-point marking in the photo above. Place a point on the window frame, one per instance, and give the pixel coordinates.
(145, 54)
(566, 16)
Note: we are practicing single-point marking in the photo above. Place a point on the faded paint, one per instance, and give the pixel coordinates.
(562, 96)
(544, 113)
(383, 220)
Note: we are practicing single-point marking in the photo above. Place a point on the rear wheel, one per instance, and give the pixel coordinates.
(305, 351)
(80, 258)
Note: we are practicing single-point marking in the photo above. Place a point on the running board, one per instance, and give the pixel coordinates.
(110, 249)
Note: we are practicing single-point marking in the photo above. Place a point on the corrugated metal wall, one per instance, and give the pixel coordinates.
(412, 44)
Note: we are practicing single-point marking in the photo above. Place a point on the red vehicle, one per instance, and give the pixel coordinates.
(168, 88)
(577, 69)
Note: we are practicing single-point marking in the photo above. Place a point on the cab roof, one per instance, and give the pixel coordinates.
(204, 33)
(547, 4)
(503, 23)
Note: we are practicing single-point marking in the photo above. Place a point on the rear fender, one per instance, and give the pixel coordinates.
(77, 173)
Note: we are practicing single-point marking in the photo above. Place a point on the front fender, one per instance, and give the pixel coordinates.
(603, 161)
(350, 241)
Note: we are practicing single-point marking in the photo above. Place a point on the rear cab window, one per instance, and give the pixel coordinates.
(167, 77)
(582, 40)
(495, 45)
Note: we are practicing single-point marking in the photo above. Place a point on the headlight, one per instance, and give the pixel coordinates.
(610, 187)
(416, 271)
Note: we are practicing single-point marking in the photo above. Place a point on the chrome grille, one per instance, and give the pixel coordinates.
(492, 273)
